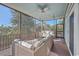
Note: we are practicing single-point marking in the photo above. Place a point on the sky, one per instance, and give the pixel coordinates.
(50, 22)
(6, 15)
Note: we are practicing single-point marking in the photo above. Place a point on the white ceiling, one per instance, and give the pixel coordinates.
(55, 10)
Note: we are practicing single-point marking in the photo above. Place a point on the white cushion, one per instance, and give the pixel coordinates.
(23, 43)
(38, 43)
(32, 41)
(26, 44)
(44, 34)
(16, 40)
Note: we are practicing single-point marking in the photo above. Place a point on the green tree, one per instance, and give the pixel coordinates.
(25, 25)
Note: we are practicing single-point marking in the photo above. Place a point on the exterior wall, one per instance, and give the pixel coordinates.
(76, 29)
(72, 8)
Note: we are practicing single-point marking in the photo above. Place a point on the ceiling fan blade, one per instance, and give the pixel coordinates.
(39, 6)
(42, 6)
(45, 6)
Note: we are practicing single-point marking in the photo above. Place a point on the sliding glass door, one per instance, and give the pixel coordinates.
(72, 33)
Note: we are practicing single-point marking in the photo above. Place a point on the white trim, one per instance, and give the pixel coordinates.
(70, 10)
(68, 49)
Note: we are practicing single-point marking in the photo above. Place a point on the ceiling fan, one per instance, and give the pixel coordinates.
(43, 7)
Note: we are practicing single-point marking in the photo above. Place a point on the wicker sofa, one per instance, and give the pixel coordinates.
(36, 47)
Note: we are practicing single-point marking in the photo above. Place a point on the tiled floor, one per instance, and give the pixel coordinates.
(6, 52)
(60, 48)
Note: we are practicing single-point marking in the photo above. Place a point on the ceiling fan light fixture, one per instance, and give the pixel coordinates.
(43, 8)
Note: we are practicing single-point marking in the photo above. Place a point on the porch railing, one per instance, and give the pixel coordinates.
(6, 41)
